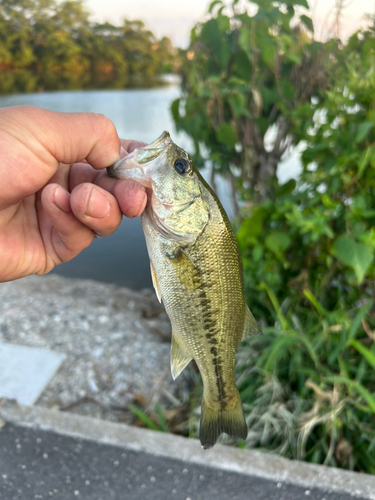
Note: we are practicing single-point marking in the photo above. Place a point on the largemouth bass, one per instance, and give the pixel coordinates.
(197, 272)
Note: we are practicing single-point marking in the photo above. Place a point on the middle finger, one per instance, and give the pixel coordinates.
(96, 208)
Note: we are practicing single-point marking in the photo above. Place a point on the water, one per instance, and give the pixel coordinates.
(140, 114)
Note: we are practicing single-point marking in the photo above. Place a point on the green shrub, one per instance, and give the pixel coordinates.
(308, 384)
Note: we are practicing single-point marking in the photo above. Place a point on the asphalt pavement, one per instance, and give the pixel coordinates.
(38, 460)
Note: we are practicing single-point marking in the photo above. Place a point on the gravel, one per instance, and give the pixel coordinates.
(116, 342)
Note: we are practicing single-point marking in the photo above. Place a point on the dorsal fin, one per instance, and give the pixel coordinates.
(155, 282)
(251, 326)
(179, 357)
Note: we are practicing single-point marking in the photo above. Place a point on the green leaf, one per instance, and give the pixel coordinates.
(238, 104)
(362, 130)
(287, 188)
(371, 115)
(295, 57)
(278, 242)
(307, 21)
(365, 157)
(309, 347)
(211, 33)
(314, 302)
(215, 39)
(366, 353)
(213, 4)
(244, 41)
(269, 54)
(241, 65)
(258, 252)
(276, 305)
(278, 349)
(288, 91)
(303, 3)
(175, 109)
(367, 396)
(356, 255)
(223, 20)
(251, 228)
(226, 135)
(162, 420)
(144, 418)
(358, 319)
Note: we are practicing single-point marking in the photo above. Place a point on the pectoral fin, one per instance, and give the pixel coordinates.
(155, 282)
(251, 326)
(179, 357)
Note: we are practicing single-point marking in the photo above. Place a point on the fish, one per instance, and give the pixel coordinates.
(196, 271)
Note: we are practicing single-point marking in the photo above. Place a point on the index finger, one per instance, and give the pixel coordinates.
(129, 145)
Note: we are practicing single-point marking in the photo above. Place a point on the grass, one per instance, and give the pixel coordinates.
(307, 386)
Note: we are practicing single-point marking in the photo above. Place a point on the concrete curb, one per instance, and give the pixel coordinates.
(248, 462)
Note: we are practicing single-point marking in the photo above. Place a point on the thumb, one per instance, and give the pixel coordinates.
(33, 141)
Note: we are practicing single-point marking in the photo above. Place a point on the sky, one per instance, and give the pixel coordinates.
(175, 18)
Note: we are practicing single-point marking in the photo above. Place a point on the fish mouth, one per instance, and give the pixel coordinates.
(138, 164)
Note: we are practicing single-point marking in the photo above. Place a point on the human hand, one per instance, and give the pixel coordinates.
(51, 207)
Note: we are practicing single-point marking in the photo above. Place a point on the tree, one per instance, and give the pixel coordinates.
(244, 74)
(15, 32)
(62, 48)
(139, 46)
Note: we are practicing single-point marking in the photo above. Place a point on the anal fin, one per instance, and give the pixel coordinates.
(155, 282)
(179, 357)
(251, 326)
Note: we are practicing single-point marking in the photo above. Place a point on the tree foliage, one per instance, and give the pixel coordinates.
(245, 72)
(318, 234)
(309, 270)
(48, 44)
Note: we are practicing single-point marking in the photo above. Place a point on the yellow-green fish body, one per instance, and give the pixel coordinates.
(197, 271)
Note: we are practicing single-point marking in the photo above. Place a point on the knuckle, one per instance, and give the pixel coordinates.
(106, 124)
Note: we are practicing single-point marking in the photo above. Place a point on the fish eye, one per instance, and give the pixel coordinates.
(181, 166)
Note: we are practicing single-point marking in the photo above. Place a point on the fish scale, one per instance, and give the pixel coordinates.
(197, 273)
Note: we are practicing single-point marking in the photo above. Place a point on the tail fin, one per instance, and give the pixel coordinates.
(216, 419)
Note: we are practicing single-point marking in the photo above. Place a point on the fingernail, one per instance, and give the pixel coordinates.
(61, 200)
(123, 152)
(98, 205)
